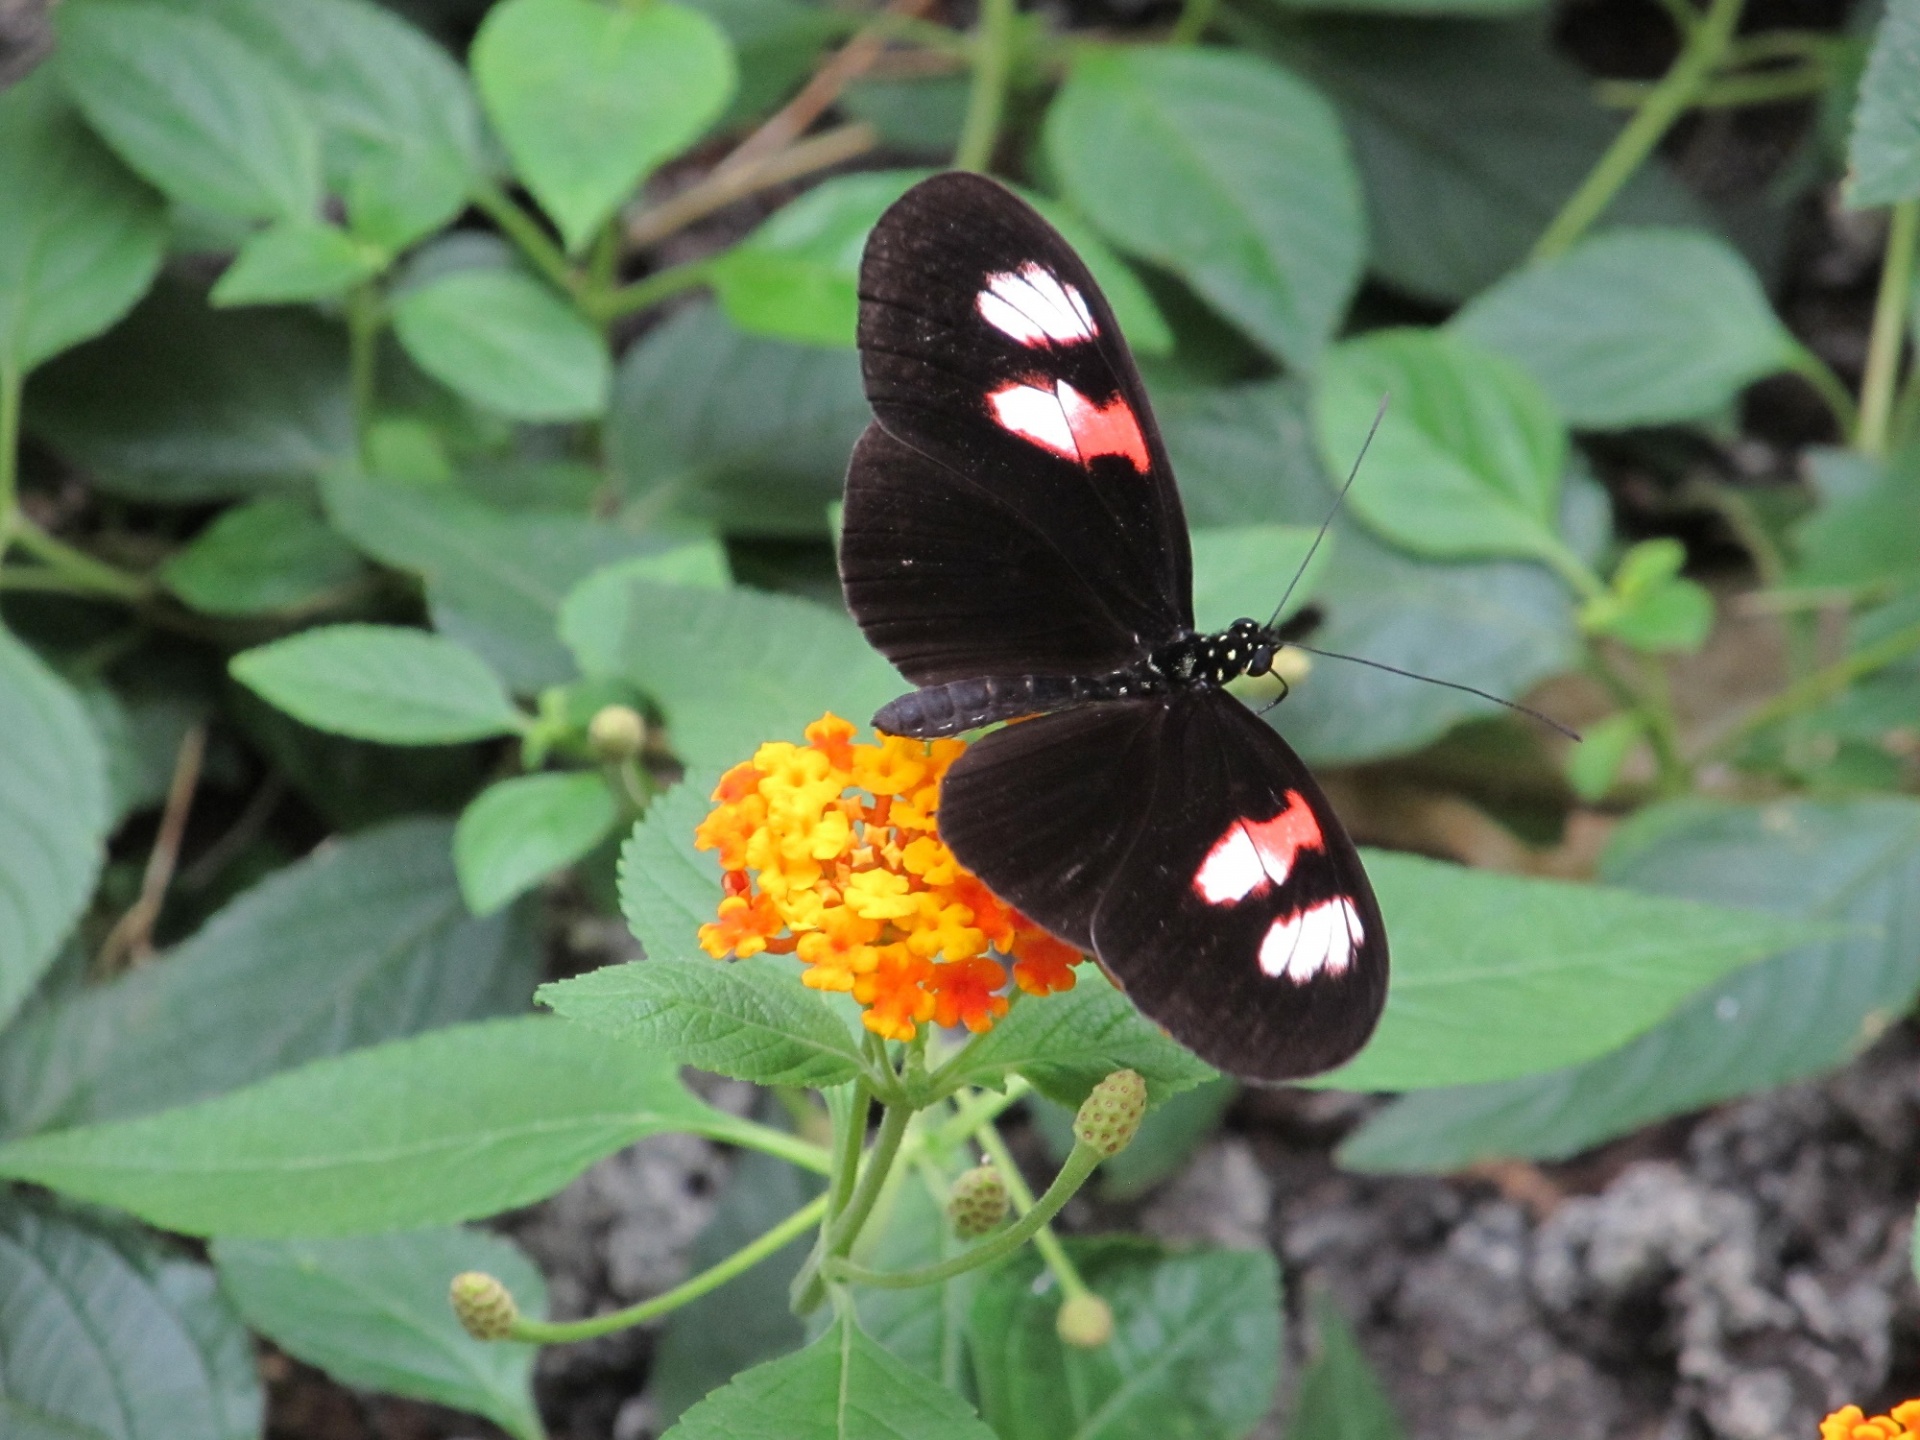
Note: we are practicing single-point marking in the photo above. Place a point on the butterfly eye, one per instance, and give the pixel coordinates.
(1262, 660)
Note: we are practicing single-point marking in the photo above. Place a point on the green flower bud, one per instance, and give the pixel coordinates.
(616, 732)
(1110, 1117)
(484, 1305)
(978, 1204)
(1085, 1321)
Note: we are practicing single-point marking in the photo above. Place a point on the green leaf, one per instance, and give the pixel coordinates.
(268, 555)
(53, 817)
(463, 1122)
(192, 109)
(844, 1386)
(748, 1019)
(1467, 460)
(1195, 1349)
(1853, 863)
(1635, 327)
(1244, 453)
(518, 831)
(80, 238)
(1225, 169)
(747, 435)
(776, 44)
(182, 403)
(1469, 138)
(1245, 570)
(109, 1333)
(505, 341)
(731, 668)
(1883, 153)
(399, 129)
(1672, 617)
(668, 889)
(589, 98)
(296, 260)
(1067, 1044)
(1594, 764)
(372, 1312)
(380, 682)
(1866, 537)
(1340, 1396)
(364, 940)
(1496, 976)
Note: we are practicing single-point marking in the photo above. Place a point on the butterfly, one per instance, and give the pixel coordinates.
(1013, 541)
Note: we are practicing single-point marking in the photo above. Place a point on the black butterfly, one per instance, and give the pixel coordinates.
(1013, 541)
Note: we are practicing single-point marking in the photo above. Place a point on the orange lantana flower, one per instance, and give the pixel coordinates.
(1851, 1423)
(830, 852)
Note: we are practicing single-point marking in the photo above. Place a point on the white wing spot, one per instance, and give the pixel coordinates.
(1322, 939)
(1232, 870)
(1033, 307)
(1036, 414)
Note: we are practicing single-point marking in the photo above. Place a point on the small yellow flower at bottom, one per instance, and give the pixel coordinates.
(830, 851)
(1851, 1423)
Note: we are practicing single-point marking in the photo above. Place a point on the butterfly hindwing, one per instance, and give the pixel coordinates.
(989, 352)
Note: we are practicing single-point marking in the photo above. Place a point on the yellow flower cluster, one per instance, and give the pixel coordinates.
(830, 851)
(1851, 1423)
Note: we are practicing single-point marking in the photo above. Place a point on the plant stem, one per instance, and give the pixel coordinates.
(717, 191)
(363, 354)
(1081, 1163)
(1829, 387)
(1889, 330)
(1572, 569)
(986, 102)
(1821, 685)
(545, 1332)
(609, 305)
(778, 1143)
(1195, 16)
(524, 231)
(1728, 92)
(1044, 1240)
(86, 573)
(12, 386)
(1703, 46)
(845, 1229)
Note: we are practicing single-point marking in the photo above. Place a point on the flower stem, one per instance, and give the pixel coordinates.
(1044, 1240)
(524, 231)
(845, 1228)
(1889, 330)
(986, 102)
(1703, 46)
(544, 1332)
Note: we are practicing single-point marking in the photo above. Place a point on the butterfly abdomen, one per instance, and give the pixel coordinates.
(962, 705)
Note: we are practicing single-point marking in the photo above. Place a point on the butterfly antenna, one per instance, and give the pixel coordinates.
(1546, 720)
(1338, 500)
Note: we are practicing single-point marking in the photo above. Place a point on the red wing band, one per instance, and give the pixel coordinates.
(1252, 854)
(1069, 424)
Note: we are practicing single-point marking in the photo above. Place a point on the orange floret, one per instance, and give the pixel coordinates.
(966, 992)
(1042, 964)
(1851, 1423)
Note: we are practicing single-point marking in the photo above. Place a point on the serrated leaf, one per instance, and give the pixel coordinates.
(1066, 1044)
(506, 342)
(372, 1312)
(1195, 1349)
(748, 1019)
(668, 889)
(365, 940)
(1227, 170)
(449, 1126)
(109, 1333)
(380, 682)
(730, 668)
(296, 260)
(272, 554)
(1855, 863)
(516, 832)
(1468, 458)
(1340, 1396)
(1502, 975)
(590, 98)
(1635, 327)
(844, 1386)
(192, 109)
(53, 817)
(1883, 153)
(80, 238)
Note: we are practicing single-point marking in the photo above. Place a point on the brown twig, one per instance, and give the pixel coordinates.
(717, 190)
(131, 939)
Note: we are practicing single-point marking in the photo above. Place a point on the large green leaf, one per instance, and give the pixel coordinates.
(53, 817)
(1195, 1349)
(444, 1127)
(1225, 169)
(731, 668)
(1468, 457)
(1853, 863)
(108, 1334)
(668, 889)
(507, 342)
(518, 831)
(193, 109)
(590, 98)
(844, 1386)
(1340, 1396)
(746, 434)
(1866, 533)
(380, 682)
(1244, 453)
(79, 237)
(1245, 570)
(750, 1019)
(270, 554)
(1502, 975)
(1635, 327)
(372, 1312)
(776, 44)
(182, 403)
(1883, 154)
(365, 940)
